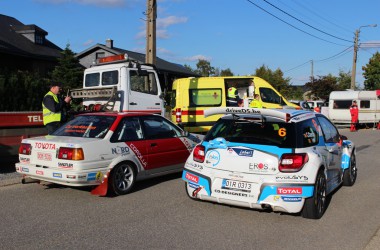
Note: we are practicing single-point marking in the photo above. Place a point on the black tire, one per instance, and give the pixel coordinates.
(350, 174)
(315, 206)
(122, 178)
(189, 191)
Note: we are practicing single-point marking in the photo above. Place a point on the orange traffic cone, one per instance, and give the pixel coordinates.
(102, 189)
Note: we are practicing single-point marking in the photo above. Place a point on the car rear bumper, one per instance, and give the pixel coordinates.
(67, 177)
(282, 197)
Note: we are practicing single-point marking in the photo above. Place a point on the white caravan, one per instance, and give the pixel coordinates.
(368, 104)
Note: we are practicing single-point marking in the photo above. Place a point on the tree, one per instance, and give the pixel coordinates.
(372, 73)
(226, 72)
(68, 71)
(343, 80)
(204, 68)
(321, 87)
(275, 78)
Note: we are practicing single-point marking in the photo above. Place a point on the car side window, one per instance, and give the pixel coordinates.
(129, 129)
(330, 132)
(156, 127)
(309, 133)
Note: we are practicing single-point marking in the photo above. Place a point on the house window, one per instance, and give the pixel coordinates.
(39, 39)
(100, 55)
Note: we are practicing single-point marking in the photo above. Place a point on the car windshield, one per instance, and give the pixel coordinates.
(254, 132)
(90, 126)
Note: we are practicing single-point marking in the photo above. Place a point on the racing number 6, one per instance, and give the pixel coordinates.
(282, 132)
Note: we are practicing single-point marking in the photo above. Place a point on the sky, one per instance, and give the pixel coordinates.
(299, 37)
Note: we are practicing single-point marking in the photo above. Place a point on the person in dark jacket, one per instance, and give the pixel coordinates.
(52, 107)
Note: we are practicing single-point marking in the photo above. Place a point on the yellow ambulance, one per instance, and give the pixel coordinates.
(191, 96)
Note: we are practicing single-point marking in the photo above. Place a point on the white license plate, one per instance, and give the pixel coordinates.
(44, 156)
(237, 185)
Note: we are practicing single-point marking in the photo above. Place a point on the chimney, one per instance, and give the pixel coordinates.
(109, 43)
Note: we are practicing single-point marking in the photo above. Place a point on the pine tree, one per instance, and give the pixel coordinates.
(68, 71)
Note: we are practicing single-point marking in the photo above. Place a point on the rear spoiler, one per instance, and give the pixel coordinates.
(248, 111)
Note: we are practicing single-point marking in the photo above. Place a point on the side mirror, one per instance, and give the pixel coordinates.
(343, 137)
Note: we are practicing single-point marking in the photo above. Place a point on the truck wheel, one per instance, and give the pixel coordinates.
(122, 179)
(349, 176)
(315, 206)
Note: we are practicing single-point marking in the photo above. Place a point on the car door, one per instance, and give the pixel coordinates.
(128, 140)
(332, 151)
(165, 150)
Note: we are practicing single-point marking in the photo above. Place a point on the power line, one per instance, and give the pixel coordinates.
(305, 23)
(292, 25)
(322, 60)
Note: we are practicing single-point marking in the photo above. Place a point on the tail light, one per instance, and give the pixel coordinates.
(199, 153)
(75, 154)
(178, 115)
(293, 162)
(25, 149)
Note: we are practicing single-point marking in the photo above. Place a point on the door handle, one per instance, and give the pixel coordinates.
(157, 103)
(153, 144)
(132, 103)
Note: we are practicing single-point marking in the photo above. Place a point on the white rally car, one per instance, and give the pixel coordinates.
(283, 160)
(112, 149)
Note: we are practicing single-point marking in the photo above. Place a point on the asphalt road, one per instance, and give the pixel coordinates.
(159, 215)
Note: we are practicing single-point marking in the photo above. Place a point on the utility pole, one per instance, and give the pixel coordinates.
(151, 13)
(356, 47)
(353, 72)
(312, 71)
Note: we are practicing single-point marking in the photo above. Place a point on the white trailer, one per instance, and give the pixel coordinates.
(368, 103)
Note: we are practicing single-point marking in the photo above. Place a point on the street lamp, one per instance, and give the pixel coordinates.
(353, 73)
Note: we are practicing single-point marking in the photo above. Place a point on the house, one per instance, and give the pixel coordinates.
(25, 47)
(167, 71)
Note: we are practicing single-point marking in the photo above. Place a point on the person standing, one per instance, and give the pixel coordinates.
(52, 107)
(256, 103)
(354, 111)
(232, 96)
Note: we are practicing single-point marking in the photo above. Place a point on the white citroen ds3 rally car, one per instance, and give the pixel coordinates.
(284, 160)
(108, 150)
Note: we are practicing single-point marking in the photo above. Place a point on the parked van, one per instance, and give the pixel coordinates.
(368, 103)
(191, 96)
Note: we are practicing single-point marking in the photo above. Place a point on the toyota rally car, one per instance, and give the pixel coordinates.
(283, 160)
(111, 149)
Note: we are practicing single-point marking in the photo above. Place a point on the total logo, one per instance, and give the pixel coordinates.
(289, 190)
(213, 157)
(192, 177)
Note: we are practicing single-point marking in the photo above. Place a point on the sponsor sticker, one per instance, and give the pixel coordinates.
(39, 172)
(65, 165)
(91, 177)
(57, 175)
(120, 150)
(213, 157)
(243, 152)
(24, 169)
(289, 190)
(291, 199)
(192, 178)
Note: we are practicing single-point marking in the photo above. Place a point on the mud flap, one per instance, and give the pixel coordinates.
(101, 190)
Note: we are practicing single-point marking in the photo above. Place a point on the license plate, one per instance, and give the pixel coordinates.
(237, 185)
(44, 156)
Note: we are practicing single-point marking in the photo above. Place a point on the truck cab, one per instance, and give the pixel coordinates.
(118, 84)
